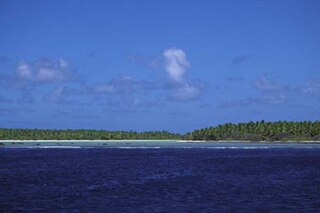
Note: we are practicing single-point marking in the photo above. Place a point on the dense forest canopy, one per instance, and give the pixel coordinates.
(82, 134)
(252, 131)
(261, 130)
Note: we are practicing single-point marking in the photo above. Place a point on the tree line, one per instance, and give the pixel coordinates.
(252, 131)
(82, 134)
(259, 131)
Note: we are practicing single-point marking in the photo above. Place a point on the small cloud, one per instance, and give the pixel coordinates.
(266, 84)
(125, 102)
(240, 59)
(104, 88)
(49, 75)
(47, 70)
(184, 92)
(58, 96)
(55, 95)
(125, 85)
(130, 103)
(176, 64)
(64, 63)
(153, 63)
(42, 71)
(263, 99)
(178, 87)
(272, 98)
(24, 71)
(269, 92)
(311, 88)
(134, 57)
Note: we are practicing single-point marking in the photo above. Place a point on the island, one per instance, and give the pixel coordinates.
(304, 131)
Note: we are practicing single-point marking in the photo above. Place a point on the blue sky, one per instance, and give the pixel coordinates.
(157, 65)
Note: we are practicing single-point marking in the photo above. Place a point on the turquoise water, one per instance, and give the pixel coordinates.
(156, 144)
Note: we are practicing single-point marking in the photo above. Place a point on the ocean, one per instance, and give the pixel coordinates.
(188, 178)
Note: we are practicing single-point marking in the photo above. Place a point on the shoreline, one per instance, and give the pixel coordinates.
(76, 140)
(155, 140)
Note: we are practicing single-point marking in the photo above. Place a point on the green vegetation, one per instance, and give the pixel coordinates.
(252, 131)
(258, 131)
(82, 134)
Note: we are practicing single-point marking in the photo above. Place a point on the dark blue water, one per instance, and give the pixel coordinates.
(159, 180)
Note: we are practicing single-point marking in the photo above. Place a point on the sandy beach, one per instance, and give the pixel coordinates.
(50, 141)
(144, 140)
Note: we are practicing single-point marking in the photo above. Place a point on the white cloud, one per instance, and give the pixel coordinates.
(273, 98)
(262, 99)
(49, 75)
(269, 90)
(104, 88)
(55, 95)
(24, 71)
(44, 70)
(58, 96)
(266, 84)
(176, 64)
(184, 93)
(125, 85)
(311, 88)
(63, 63)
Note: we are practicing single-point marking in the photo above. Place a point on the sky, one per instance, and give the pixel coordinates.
(142, 65)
